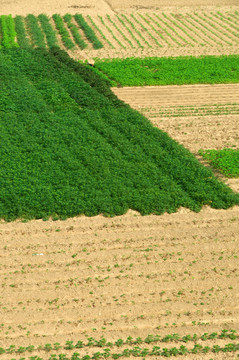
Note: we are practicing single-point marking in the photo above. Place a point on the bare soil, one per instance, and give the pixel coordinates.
(119, 277)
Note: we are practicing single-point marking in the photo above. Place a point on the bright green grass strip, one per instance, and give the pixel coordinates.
(226, 160)
(171, 70)
(70, 147)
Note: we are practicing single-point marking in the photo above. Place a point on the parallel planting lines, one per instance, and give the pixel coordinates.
(158, 30)
(173, 95)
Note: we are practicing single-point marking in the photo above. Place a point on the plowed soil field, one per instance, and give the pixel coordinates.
(119, 277)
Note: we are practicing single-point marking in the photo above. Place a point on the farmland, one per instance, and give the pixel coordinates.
(87, 170)
(127, 34)
(86, 151)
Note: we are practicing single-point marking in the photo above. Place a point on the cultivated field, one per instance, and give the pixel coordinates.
(197, 116)
(132, 286)
(125, 33)
(120, 277)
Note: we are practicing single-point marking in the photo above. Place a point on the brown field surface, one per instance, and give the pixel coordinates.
(119, 277)
(134, 276)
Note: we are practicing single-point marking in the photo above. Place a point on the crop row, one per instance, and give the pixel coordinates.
(143, 352)
(92, 342)
(159, 29)
(8, 32)
(189, 110)
(136, 30)
(41, 31)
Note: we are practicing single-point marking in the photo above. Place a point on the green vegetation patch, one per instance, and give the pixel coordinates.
(70, 147)
(226, 160)
(171, 70)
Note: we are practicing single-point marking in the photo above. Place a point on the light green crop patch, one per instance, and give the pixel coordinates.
(226, 160)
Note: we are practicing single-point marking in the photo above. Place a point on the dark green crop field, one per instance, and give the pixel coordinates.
(171, 71)
(68, 146)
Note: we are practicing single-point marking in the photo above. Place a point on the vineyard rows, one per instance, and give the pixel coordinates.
(156, 30)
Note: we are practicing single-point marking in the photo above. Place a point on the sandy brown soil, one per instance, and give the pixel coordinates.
(125, 276)
(24, 7)
(184, 31)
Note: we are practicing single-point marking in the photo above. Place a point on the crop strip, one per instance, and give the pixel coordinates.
(165, 31)
(178, 23)
(111, 32)
(226, 160)
(136, 30)
(148, 32)
(35, 31)
(22, 39)
(102, 342)
(63, 32)
(74, 31)
(234, 16)
(179, 111)
(172, 29)
(8, 32)
(182, 21)
(49, 32)
(202, 29)
(119, 30)
(180, 28)
(89, 32)
(221, 23)
(202, 22)
(143, 352)
(229, 20)
(199, 28)
(154, 29)
(100, 31)
(129, 30)
(222, 31)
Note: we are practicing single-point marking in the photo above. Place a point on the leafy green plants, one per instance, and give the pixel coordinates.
(136, 30)
(74, 30)
(35, 31)
(49, 32)
(100, 31)
(171, 71)
(129, 30)
(111, 32)
(86, 151)
(63, 31)
(119, 31)
(145, 29)
(22, 39)
(89, 32)
(226, 160)
(8, 32)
